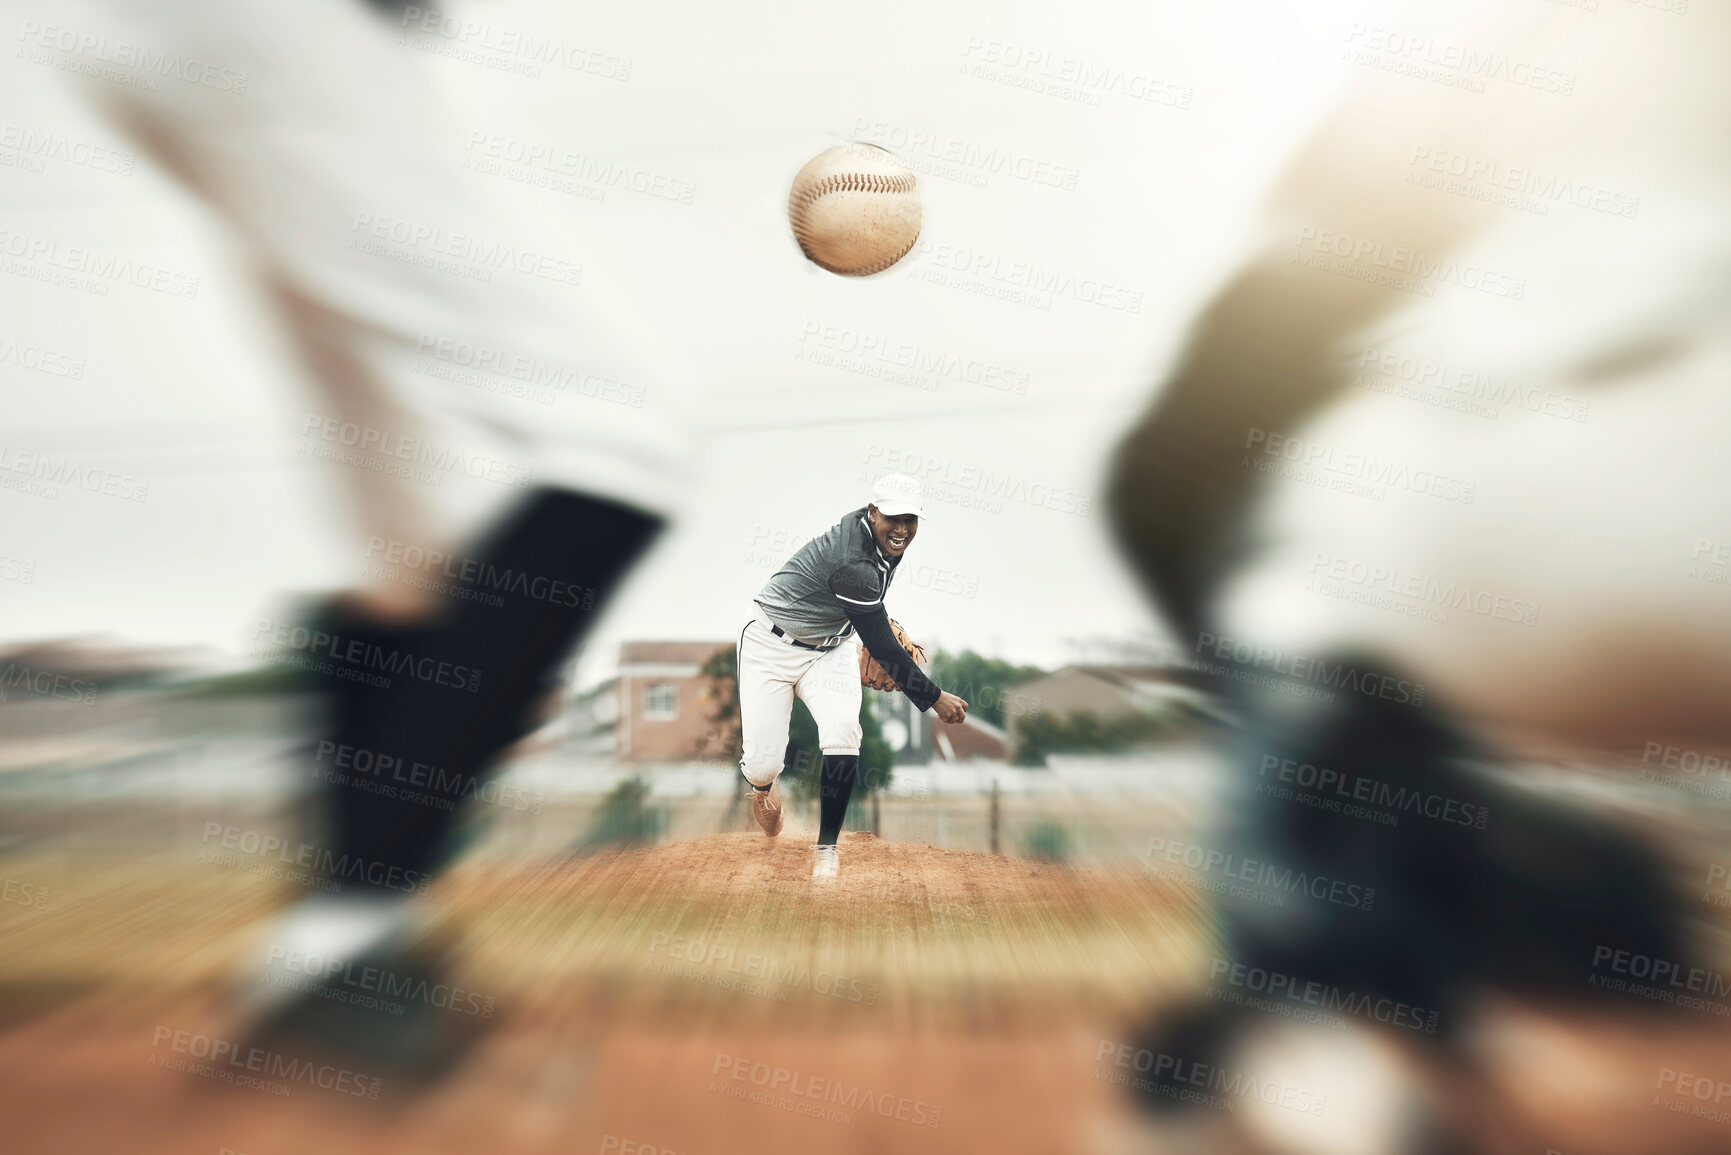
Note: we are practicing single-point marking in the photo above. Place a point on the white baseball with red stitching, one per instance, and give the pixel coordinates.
(855, 209)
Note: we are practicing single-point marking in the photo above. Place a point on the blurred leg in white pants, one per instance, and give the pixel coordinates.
(432, 315)
(423, 304)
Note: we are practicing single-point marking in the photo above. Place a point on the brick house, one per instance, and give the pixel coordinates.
(665, 704)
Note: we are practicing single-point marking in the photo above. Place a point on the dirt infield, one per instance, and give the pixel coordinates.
(702, 996)
(705, 997)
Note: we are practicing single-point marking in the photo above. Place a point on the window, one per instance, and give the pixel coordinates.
(660, 702)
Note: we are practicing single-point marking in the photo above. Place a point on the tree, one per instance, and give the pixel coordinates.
(624, 820)
(721, 739)
(1085, 733)
(984, 682)
(877, 760)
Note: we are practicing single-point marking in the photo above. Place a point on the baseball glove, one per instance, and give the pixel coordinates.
(873, 675)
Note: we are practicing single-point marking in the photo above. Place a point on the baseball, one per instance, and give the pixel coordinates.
(854, 209)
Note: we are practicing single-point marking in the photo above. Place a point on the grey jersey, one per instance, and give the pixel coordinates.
(842, 565)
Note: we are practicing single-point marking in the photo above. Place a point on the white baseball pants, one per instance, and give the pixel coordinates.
(771, 672)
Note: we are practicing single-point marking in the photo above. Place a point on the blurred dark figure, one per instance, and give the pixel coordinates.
(1530, 903)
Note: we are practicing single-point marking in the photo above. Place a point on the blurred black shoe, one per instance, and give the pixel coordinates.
(392, 1015)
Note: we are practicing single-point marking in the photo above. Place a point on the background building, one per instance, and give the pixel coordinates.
(920, 738)
(1104, 691)
(666, 705)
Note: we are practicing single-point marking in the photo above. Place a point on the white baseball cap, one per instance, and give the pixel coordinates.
(896, 493)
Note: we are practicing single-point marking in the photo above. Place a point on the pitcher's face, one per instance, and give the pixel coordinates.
(893, 534)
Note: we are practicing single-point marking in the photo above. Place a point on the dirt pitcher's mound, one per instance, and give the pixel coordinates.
(904, 925)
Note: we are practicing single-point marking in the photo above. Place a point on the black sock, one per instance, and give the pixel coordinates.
(834, 792)
(525, 599)
(344, 763)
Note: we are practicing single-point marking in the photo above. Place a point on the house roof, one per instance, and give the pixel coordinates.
(669, 653)
(1128, 676)
(971, 738)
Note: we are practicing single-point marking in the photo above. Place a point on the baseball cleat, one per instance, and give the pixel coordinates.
(827, 864)
(766, 808)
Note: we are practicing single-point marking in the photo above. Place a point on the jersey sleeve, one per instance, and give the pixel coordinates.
(858, 586)
(873, 626)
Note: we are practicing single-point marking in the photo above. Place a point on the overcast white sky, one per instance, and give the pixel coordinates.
(196, 396)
